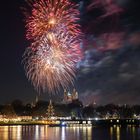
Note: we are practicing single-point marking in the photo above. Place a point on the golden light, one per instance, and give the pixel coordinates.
(52, 21)
(51, 37)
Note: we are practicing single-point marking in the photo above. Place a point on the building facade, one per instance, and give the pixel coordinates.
(69, 97)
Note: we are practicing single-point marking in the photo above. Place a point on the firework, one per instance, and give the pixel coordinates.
(51, 59)
(48, 15)
(51, 68)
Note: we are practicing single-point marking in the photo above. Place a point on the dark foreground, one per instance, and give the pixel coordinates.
(43, 132)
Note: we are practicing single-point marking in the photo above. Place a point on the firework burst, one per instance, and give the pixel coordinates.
(49, 70)
(48, 15)
(51, 65)
(51, 59)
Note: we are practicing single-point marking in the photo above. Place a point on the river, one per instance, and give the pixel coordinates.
(43, 132)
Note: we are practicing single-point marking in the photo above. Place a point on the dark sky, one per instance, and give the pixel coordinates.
(109, 72)
(13, 83)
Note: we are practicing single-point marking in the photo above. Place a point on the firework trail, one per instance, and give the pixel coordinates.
(51, 59)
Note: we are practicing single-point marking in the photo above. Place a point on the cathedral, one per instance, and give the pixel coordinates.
(69, 97)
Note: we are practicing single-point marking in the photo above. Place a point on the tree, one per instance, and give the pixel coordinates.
(18, 106)
(8, 111)
(88, 111)
(50, 110)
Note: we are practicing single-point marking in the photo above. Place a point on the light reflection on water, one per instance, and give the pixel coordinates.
(43, 132)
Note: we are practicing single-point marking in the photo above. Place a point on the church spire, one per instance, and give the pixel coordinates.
(65, 95)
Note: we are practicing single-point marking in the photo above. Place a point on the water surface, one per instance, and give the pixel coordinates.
(43, 132)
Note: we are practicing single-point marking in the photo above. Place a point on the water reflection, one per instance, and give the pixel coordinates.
(10, 132)
(43, 132)
(37, 132)
(63, 133)
(115, 132)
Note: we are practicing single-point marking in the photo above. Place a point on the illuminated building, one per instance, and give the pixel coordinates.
(69, 97)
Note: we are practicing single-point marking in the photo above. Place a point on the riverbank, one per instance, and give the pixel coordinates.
(82, 122)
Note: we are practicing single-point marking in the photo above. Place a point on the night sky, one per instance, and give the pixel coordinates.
(110, 69)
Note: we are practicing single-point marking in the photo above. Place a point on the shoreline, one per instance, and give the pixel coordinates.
(108, 122)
